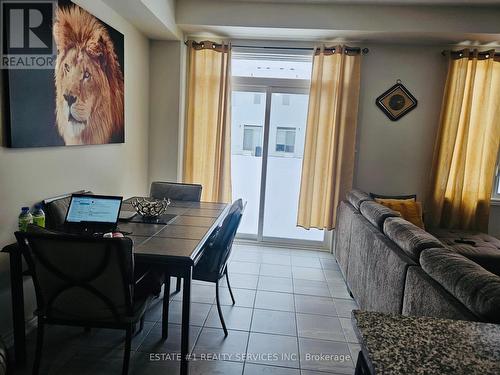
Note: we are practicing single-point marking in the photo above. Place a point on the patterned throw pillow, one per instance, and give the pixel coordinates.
(409, 209)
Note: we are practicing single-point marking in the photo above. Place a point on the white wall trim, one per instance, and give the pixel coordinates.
(182, 111)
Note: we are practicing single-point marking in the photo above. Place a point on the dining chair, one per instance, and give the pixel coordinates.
(212, 266)
(84, 281)
(3, 358)
(55, 208)
(175, 191)
(179, 192)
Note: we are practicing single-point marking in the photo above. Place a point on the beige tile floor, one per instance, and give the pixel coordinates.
(291, 307)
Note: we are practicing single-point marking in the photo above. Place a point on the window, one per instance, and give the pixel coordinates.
(496, 184)
(252, 139)
(285, 139)
(285, 99)
(248, 64)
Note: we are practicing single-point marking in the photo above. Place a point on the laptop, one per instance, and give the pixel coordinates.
(91, 214)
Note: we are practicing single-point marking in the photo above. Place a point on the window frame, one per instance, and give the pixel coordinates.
(286, 130)
(253, 128)
(495, 194)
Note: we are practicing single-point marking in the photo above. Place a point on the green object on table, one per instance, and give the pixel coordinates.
(39, 216)
(25, 219)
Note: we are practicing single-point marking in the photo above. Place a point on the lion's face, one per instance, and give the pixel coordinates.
(89, 82)
(81, 82)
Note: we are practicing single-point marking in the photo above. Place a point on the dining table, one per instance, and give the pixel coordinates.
(174, 246)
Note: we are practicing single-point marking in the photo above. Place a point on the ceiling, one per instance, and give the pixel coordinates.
(424, 22)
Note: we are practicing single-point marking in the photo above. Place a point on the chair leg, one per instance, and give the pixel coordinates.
(229, 287)
(164, 315)
(178, 285)
(219, 308)
(39, 345)
(126, 354)
(136, 331)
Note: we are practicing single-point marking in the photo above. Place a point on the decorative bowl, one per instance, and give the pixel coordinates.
(150, 209)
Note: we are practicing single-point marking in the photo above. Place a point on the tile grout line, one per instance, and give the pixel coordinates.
(251, 322)
(296, 326)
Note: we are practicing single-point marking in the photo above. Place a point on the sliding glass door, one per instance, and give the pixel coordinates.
(247, 135)
(269, 112)
(285, 150)
(268, 134)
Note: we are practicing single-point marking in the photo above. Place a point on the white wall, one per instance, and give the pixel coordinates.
(28, 175)
(166, 107)
(395, 157)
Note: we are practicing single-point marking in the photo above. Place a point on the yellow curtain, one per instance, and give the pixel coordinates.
(467, 143)
(327, 169)
(207, 146)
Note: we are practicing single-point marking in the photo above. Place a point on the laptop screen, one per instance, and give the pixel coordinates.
(93, 209)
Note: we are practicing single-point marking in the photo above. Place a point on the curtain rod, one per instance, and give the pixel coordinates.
(459, 53)
(364, 51)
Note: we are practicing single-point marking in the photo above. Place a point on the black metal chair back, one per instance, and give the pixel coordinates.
(213, 263)
(218, 247)
(175, 191)
(80, 279)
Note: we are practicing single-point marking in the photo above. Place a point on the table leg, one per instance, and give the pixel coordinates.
(186, 307)
(166, 303)
(16, 285)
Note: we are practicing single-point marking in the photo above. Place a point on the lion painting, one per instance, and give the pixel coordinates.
(88, 80)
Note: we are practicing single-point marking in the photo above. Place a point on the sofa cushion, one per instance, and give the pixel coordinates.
(477, 288)
(376, 213)
(486, 257)
(412, 239)
(409, 209)
(356, 197)
(476, 246)
(457, 237)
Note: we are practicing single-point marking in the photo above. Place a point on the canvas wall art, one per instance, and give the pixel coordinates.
(76, 99)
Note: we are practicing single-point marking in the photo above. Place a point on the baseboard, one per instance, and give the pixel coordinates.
(243, 241)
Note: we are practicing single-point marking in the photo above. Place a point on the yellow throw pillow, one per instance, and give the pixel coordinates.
(408, 208)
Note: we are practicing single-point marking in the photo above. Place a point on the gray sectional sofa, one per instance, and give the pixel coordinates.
(390, 265)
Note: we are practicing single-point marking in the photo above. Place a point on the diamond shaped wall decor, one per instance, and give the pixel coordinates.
(396, 102)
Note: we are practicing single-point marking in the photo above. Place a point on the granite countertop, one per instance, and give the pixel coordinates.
(400, 345)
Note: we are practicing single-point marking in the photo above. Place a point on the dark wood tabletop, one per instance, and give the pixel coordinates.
(182, 239)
